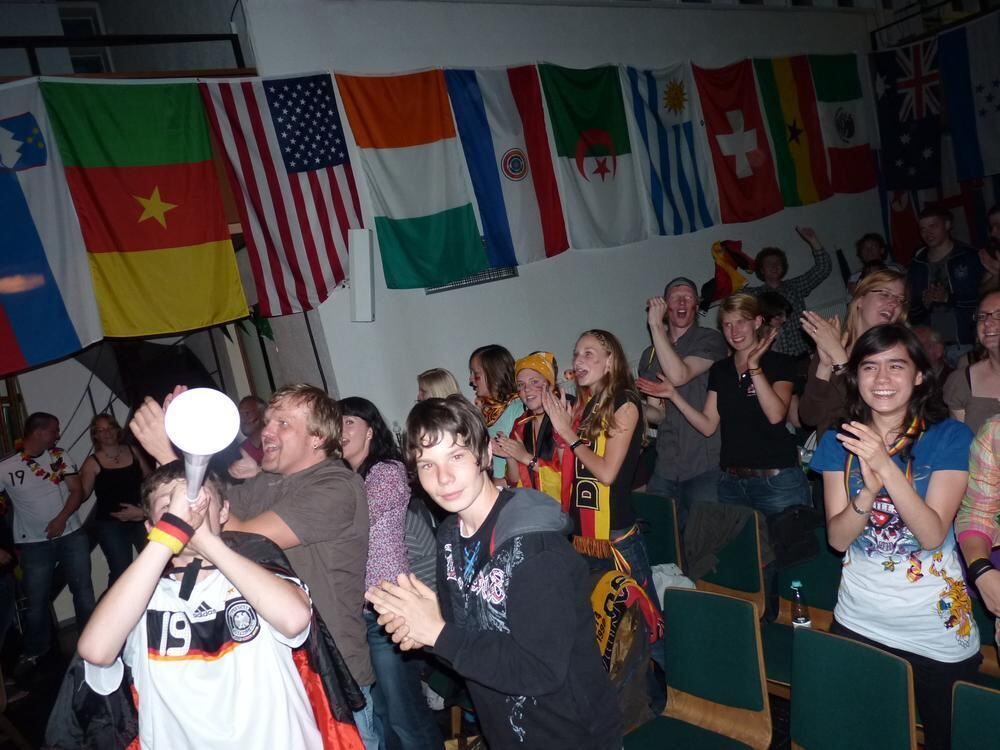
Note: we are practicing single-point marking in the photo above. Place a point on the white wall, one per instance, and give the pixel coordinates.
(61, 389)
(551, 301)
(25, 17)
(31, 19)
(174, 17)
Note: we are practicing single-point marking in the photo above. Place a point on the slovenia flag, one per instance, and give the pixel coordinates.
(47, 305)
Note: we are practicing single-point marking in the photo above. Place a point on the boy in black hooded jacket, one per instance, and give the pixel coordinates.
(514, 617)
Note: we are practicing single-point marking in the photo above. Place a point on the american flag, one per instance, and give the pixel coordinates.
(296, 193)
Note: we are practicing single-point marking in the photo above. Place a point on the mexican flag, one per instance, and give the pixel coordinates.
(595, 167)
(844, 119)
(138, 161)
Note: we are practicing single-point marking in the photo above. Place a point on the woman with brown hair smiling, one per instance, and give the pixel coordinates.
(491, 375)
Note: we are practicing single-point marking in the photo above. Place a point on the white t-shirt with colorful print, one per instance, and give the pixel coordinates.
(891, 590)
(210, 672)
(36, 485)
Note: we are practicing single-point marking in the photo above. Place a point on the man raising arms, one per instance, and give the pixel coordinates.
(687, 462)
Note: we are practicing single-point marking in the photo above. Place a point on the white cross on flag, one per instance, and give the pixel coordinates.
(738, 143)
(744, 169)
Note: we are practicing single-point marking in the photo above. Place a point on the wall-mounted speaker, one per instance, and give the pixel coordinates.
(360, 248)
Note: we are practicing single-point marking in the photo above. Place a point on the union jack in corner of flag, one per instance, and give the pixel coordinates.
(908, 99)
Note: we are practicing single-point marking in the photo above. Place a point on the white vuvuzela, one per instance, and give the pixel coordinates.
(201, 422)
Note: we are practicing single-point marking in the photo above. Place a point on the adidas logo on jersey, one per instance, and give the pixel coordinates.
(202, 612)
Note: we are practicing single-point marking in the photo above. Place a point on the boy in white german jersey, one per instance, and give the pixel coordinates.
(211, 656)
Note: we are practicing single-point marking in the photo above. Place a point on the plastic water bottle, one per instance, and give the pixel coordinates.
(800, 610)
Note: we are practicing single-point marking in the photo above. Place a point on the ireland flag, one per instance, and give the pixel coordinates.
(422, 199)
(595, 168)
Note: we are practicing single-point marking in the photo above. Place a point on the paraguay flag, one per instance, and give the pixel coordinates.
(502, 129)
(47, 305)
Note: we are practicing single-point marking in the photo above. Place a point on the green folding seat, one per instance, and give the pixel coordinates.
(658, 521)
(739, 571)
(820, 577)
(973, 717)
(716, 696)
(846, 694)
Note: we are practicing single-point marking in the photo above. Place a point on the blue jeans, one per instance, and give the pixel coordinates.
(400, 707)
(38, 563)
(703, 488)
(117, 538)
(365, 722)
(8, 603)
(769, 495)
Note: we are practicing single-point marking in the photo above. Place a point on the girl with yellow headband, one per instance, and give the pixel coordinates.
(533, 456)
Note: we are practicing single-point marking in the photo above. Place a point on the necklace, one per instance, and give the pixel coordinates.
(58, 466)
(113, 459)
(741, 375)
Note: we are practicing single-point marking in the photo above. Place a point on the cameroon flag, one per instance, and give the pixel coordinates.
(786, 91)
(138, 161)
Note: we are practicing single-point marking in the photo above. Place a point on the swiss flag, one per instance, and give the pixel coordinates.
(744, 168)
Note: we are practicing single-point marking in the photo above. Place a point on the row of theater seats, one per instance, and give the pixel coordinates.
(723, 662)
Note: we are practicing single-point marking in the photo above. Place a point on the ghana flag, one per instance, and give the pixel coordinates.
(138, 161)
(786, 91)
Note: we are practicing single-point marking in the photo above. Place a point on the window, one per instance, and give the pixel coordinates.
(84, 20)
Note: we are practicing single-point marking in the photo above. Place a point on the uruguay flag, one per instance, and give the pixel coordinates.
(47, 305)
(677, 172)
(502, 128)
(970, 68)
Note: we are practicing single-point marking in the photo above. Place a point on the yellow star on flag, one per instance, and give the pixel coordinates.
(154, 207)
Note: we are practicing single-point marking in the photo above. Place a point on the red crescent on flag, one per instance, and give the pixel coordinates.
(589, 139)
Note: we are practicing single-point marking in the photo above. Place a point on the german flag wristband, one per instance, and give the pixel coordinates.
(171, 532)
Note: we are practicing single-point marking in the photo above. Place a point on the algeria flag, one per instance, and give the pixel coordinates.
(594, 164)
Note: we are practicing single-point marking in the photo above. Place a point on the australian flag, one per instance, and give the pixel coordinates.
(908, 98)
